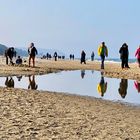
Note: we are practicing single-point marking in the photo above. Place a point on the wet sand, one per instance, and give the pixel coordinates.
(42, 115)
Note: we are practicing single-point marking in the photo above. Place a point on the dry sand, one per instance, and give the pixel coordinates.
(38, 115)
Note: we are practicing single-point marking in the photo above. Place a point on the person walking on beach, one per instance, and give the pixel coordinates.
(32, 51)
(73, 56)
(55, 56)
(83, 57)
(92, 56)
(124, 53)
(102, 52)
(137, 54)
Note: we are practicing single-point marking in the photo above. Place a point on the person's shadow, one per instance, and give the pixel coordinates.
(9, 82)
(82, 73)
(123, 88)
(32, 84)
(102, 86)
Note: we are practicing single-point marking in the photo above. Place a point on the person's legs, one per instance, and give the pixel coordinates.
(102, 80)
(55, 58)
(30, 60)
(126, 63)
(81, 60)
(102, 61)
(6, 60)
(33, 61)
(84, 61)
(11, 62)
(122, 64)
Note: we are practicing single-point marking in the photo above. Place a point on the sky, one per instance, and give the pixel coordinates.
(71, 25)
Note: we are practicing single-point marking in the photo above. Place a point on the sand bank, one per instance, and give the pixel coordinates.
(26, 114)
(45, 66)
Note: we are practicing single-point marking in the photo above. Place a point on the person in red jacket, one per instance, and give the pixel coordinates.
(137, 54)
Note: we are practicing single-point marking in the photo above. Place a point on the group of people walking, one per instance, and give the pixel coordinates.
(103, 52)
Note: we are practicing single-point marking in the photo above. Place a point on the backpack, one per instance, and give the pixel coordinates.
(103, 50)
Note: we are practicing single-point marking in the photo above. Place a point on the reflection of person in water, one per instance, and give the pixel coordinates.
(19, 77)
(123, 87)
(32, 83)
(82, 73)
(102, 86)
(137, 85)
(9, 82)
(92, 71)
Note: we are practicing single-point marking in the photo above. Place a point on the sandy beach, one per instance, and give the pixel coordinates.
(45, 66)
(43, 115)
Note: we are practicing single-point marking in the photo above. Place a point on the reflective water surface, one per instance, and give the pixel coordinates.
(88, 83)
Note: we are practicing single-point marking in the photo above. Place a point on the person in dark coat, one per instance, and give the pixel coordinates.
(92, 56)
(83, 57)
(9, 54)
(19, 60)
(55, 56)
(32, 51)
(124, 53)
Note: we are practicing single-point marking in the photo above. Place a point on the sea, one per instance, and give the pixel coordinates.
(112, 60)
(115, 60)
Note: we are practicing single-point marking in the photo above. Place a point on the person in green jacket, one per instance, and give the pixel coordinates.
(102, 52)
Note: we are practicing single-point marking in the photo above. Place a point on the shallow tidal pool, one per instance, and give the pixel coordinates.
(80, 82)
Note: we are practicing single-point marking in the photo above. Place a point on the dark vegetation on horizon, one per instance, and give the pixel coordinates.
(19, 51)
(23, 51)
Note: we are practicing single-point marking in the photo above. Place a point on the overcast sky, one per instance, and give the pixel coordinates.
(71, 25)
